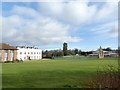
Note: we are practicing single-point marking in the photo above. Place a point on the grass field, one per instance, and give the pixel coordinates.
(52, 73)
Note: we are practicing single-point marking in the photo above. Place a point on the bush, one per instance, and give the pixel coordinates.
(109, 78)
(7, 61)
(16, 61)
(22, 60)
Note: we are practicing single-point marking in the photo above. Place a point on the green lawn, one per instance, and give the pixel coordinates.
(52, 73)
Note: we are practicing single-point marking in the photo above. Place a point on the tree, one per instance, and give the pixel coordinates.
(60, 53)
(76, 51)
(108, 49)
(65, 49)
(52, 53)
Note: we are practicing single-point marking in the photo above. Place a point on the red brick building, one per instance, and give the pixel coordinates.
(7, 52)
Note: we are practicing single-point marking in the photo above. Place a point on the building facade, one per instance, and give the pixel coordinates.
(28, 53)
(101, 53)
(7, 52)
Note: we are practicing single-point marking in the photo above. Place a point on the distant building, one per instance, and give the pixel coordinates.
(28, 53)
(7, 52)
(102, 53)
(110, 54)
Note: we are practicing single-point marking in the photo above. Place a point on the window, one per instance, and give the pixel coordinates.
(0, 52)
(20, 52)
(5, 55)
(25, 53)
(5, 51)
(28, 52)
(11, 54)
(34, 52)
(31, 52)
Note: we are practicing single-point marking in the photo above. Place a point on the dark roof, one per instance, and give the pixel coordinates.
(4, 46)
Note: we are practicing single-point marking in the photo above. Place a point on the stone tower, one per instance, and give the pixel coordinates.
(101, 54)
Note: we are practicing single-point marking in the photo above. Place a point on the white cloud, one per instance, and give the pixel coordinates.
(73, 12)
(109, 30)
(58, 0)
(114, 30)
(53, 21)
(24, 11)
(55, 8)
(108, 11)
(76, 12)
(36, 30)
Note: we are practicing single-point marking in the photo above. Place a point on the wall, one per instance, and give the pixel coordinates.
(28, 53)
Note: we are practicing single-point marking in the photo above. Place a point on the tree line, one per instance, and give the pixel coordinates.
(67, 52)
(64, 52)
(59, 52)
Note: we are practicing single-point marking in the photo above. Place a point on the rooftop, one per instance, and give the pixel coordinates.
(7, 47)
(27, 47)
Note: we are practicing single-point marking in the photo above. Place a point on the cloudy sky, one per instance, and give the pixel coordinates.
(82, 24)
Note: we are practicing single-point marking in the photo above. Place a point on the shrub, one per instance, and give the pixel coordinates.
(17, 61)
(109, 78)
(7, 61)
(21, 61)
(14, 61)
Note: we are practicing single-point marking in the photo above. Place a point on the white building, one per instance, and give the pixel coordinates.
(28, 53)
(105, 53)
